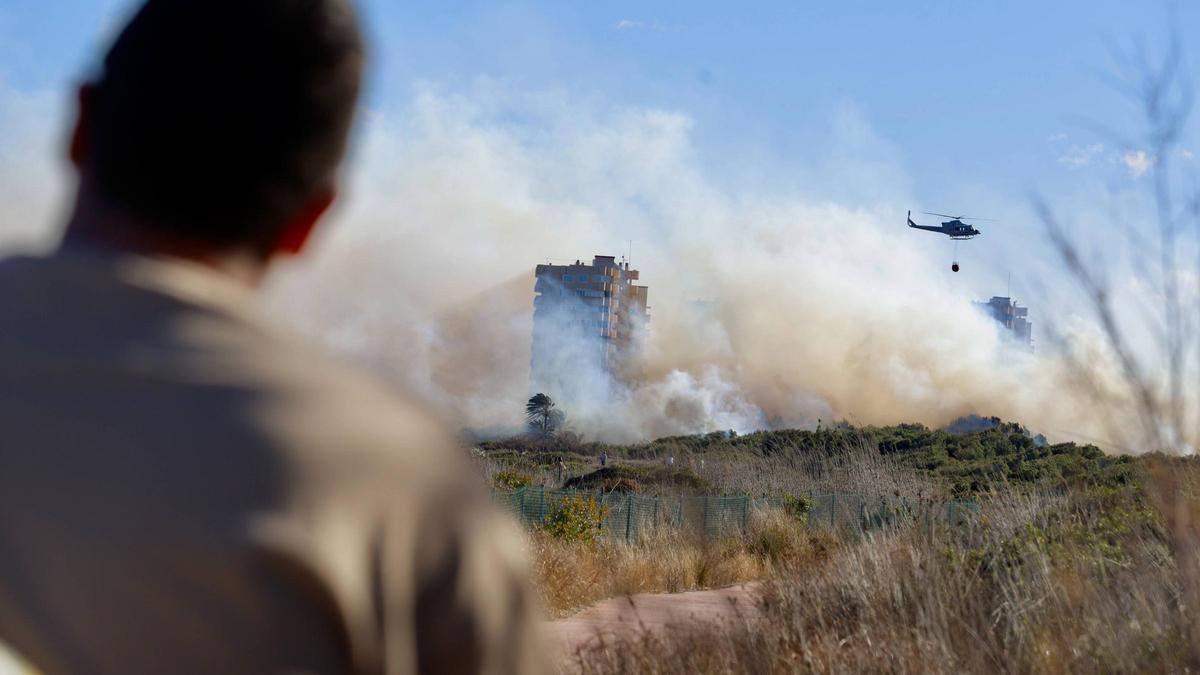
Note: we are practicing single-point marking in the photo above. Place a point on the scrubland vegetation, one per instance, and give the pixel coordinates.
(907, 457)
(1076, 561)
(1099, 578)
(571, 574)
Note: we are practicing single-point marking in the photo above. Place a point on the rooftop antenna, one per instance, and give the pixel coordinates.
(1009, 284)
(629, 258)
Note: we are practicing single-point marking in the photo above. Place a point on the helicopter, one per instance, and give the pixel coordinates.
(954, 228)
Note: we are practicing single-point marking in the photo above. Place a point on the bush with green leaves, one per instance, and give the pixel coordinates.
(798, 506)
(575, 518)
(511, 480)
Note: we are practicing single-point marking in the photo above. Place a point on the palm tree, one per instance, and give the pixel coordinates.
(541, 415)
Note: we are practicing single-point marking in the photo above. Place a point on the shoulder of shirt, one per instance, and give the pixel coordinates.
(305, 398)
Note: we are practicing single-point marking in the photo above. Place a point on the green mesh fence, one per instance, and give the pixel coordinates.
(714, 516)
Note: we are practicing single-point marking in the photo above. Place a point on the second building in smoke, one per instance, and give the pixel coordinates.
(1013, 317)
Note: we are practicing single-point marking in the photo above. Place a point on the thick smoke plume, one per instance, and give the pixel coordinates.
(808, 309)
(769, 308)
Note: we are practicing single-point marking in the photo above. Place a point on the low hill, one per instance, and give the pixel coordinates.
(965, 462)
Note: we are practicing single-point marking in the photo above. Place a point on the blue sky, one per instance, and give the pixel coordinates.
(970, 93)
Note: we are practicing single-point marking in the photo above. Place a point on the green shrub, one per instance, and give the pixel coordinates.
(511, 480)
(798, 506)
(575, 518)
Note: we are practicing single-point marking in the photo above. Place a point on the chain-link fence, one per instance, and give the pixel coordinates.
(714, 516)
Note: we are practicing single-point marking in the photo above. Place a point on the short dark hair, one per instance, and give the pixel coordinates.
(218, 120)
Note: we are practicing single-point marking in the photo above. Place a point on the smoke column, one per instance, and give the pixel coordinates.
(769, 307)
(809, 309)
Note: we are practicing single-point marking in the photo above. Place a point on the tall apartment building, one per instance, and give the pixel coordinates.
(1012, 316)
(586, 319)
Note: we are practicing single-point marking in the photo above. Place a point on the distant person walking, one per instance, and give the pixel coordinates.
(603, 458)
(185, 488)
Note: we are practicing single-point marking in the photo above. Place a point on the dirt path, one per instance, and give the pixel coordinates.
(653, 611)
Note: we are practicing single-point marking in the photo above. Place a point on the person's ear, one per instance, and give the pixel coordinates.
(296, 232)
(81, 135)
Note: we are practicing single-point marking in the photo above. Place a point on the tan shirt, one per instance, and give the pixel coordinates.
(186, 489)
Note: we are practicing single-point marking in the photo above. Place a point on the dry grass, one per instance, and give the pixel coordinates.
(858, 469)
(574, 575)
(1088, 581)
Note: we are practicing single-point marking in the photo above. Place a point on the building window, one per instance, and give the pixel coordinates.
(599, 278)
(567, 278)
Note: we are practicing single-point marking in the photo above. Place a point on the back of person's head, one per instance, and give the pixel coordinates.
(219, 120)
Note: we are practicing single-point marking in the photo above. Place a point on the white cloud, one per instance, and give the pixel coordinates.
(629, 24)
(1138, 162)
(1078, 156)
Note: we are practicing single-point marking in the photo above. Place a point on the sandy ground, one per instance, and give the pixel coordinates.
(655, 612)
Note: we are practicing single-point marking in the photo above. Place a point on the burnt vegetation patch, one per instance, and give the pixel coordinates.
(632, 478)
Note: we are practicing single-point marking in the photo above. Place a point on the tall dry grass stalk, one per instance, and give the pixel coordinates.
(1154, 398)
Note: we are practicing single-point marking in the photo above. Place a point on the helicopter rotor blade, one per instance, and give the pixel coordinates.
(944, 215)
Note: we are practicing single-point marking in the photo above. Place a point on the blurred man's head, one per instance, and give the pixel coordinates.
(222, 123)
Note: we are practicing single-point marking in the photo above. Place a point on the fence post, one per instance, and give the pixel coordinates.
(542, 507)
(704, 522)
(745, 512)
(524, 520)
(679, 513)
(832, 510)
(656, 501)
(604, 502)
(628, 514)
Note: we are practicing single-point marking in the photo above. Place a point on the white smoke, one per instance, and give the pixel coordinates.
(33, 184)
(814, 309)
